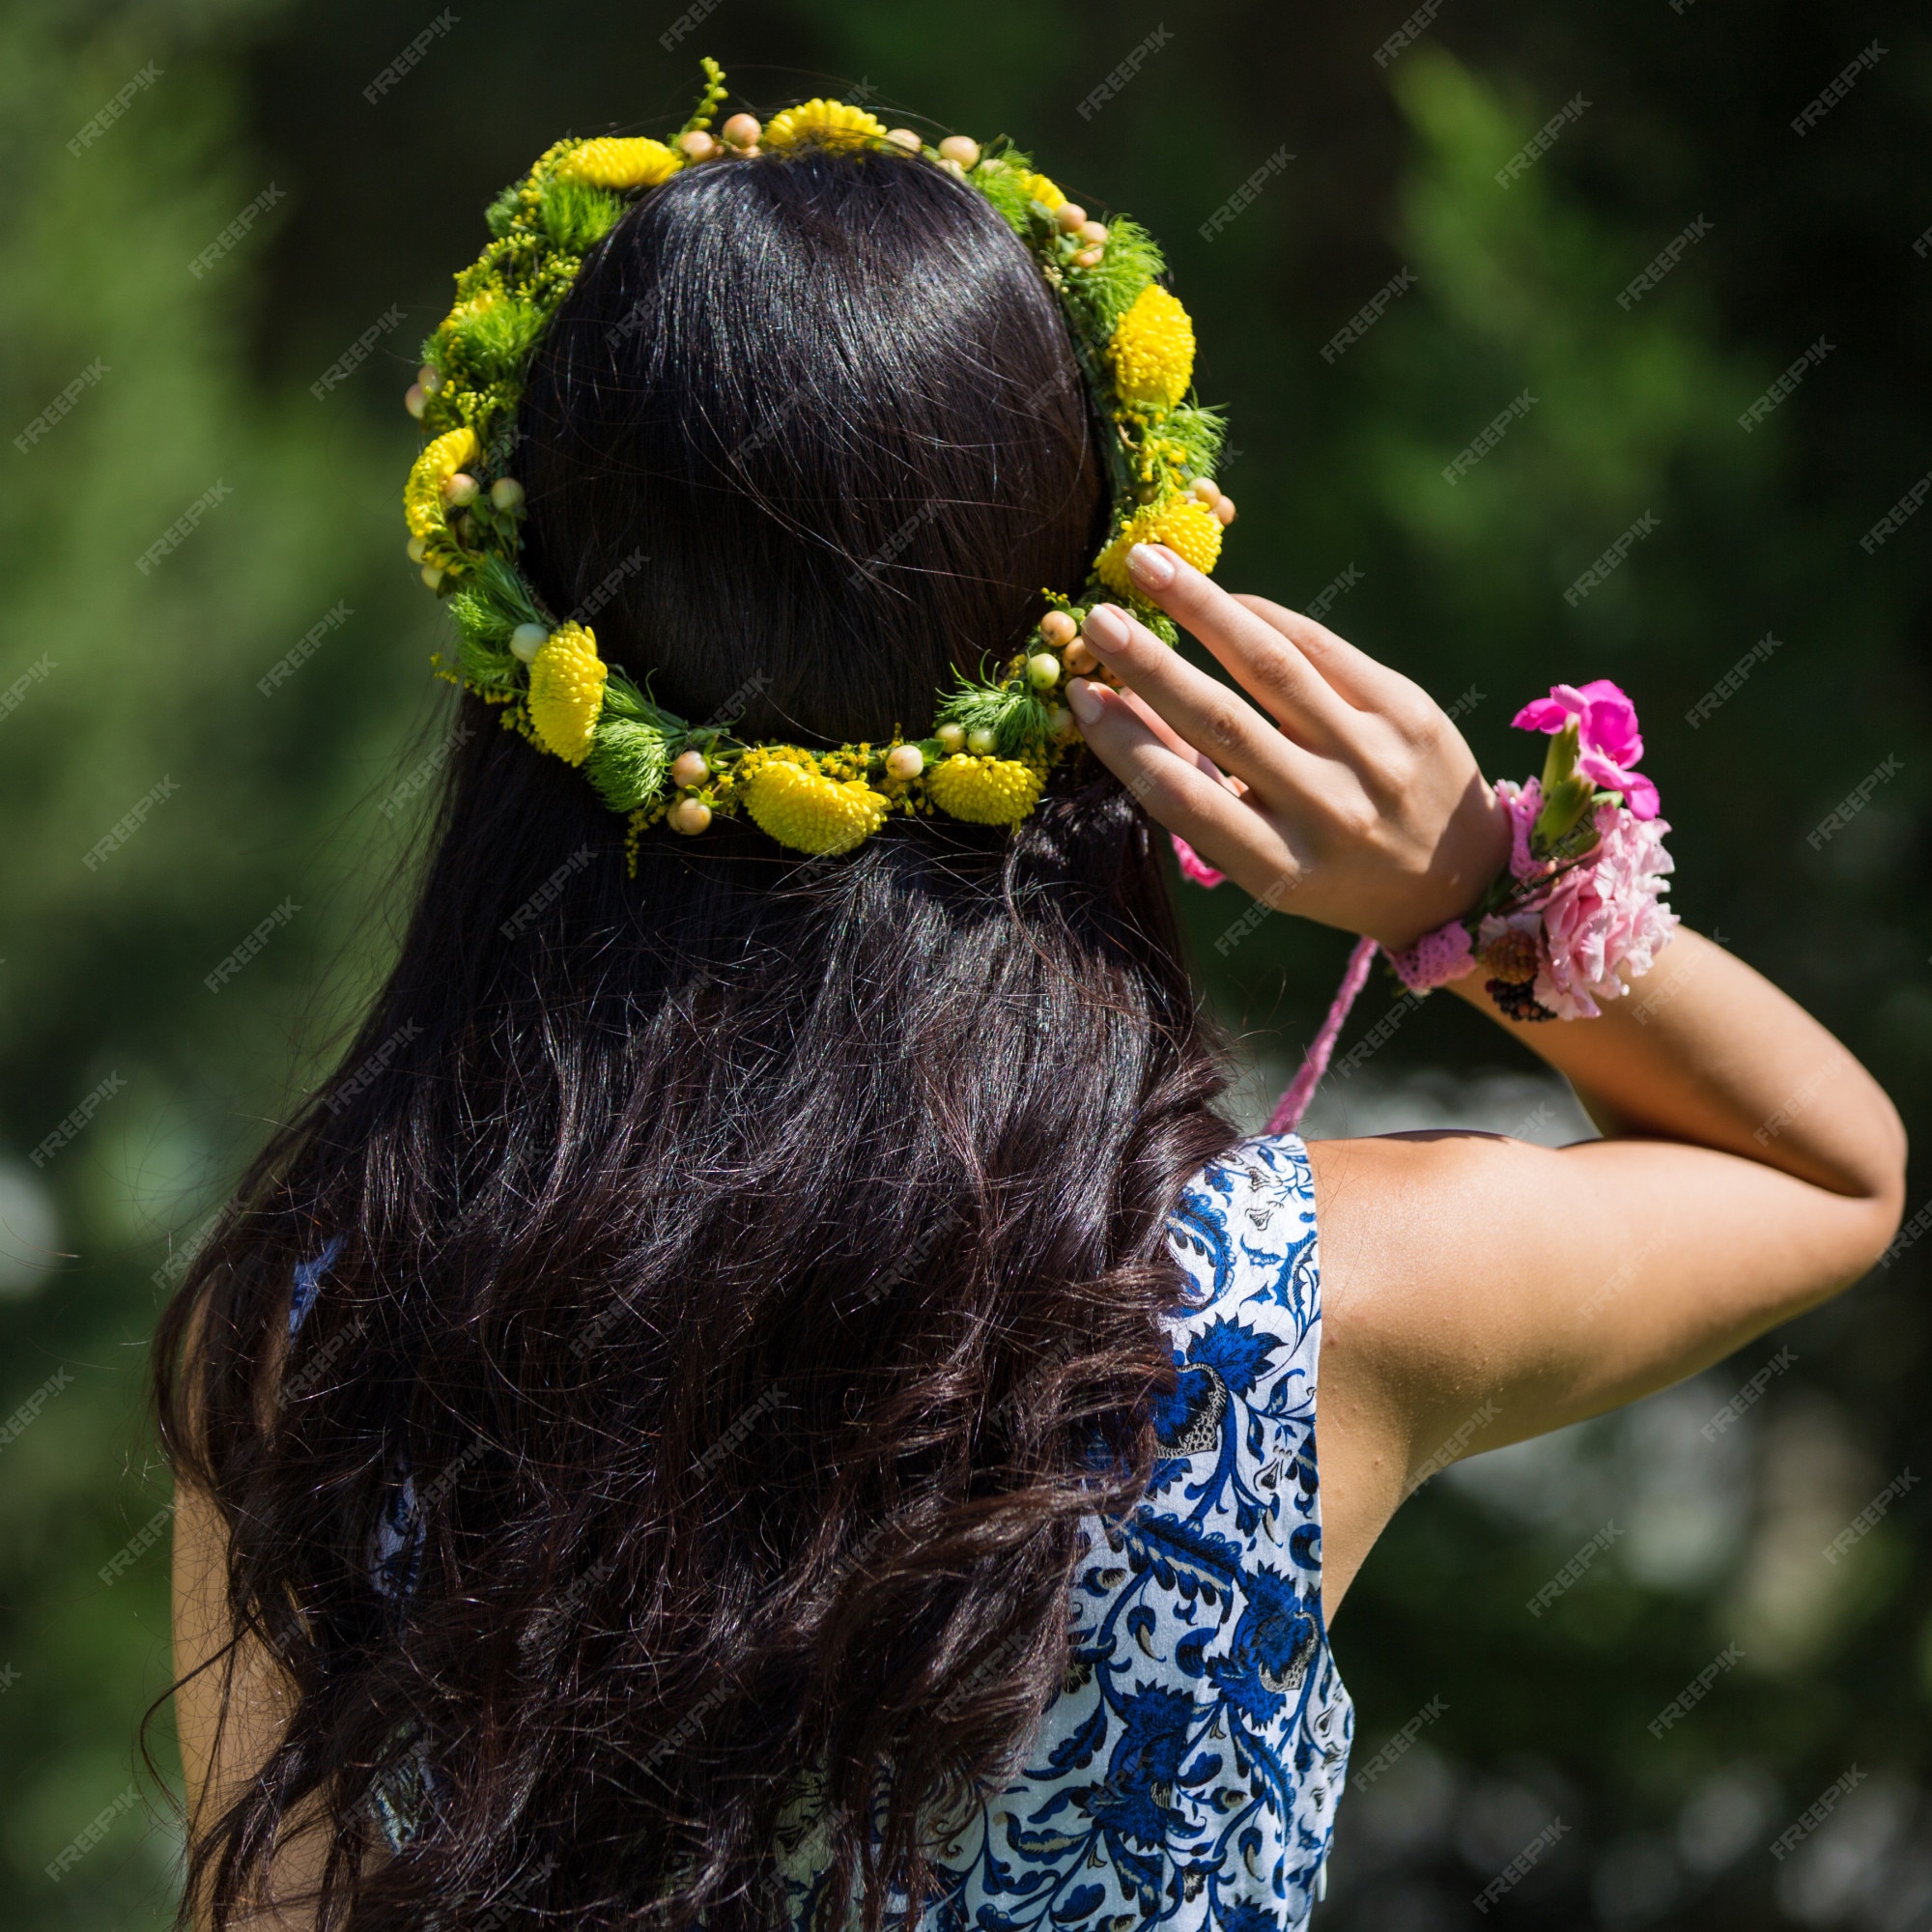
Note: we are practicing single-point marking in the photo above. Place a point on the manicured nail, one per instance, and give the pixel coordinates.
(1151, 566)
(1086, 702)
(1106, 628)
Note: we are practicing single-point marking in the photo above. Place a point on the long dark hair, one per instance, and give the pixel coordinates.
(757, 1264)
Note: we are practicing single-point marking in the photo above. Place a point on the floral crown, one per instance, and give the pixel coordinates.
(993, 739)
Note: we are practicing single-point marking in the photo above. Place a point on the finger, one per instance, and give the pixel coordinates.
(1263, 659)
(1167, 735)
(1175, 743)
(1201, 709)
(1346, 668)
(1177, 794)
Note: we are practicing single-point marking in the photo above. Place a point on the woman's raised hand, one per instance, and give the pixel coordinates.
(1349, 797)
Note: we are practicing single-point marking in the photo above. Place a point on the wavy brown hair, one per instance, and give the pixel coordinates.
(756, 1265)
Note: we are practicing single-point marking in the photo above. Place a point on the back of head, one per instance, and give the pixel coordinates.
(756, 1264)
(816, 421)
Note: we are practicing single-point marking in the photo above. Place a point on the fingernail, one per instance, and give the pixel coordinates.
(1086, 702)
(1150, 566)
(1105, 628)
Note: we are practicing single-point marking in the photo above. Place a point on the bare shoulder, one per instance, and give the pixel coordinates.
(1392, 1212)
(1479, 1290)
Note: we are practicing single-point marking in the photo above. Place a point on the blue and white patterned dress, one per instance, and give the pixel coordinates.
(1187, 1774)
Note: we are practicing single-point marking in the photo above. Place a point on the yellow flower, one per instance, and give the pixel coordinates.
(620, 164)
(984, 791)
(567, 693)
(800, 807)
(483, 299)
(440, 460)
(1185, 525)
(1153, 350)
(832, 123)
(1048, 193)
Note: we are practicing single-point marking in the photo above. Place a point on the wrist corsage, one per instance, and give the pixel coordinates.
(1582, 895)
(1579, 905)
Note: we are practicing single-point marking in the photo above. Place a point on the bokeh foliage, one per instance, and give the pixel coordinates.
(291, 798)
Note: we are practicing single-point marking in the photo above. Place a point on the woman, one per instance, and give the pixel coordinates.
(769, 1392)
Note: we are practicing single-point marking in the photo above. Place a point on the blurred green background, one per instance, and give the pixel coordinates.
(134, 388)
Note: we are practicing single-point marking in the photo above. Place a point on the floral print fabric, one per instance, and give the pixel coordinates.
(1187, 1774)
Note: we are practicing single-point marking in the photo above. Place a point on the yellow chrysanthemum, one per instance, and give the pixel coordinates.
(801, 808)
(1153, 350)
(473, 306)
(1045, 191)
(984, 791)
(620, 164)
(567, 693)
(1185, 525)
(422, 496)
(834, 123)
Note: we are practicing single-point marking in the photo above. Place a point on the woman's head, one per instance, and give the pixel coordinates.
(810, 432)
(757, 1264)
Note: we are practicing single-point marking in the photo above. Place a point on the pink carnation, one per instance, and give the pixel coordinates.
(1600, 915)
(1608, 740)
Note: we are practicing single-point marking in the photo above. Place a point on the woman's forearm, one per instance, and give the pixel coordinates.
(1706, 1050)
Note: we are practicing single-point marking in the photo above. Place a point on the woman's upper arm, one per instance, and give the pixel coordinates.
(201, 1633)
(232, 1708)
(1478, 1291)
